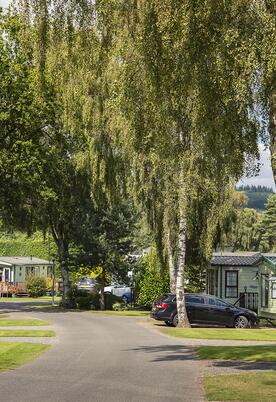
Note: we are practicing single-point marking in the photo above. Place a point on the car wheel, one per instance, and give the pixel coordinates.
(175, 320)
(169, 323)
(124, 298)
(241, 322)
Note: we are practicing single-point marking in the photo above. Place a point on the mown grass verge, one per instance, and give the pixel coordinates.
(28, 299)
(13, 354)
(222, 333)
(245, 353)
(128, 313)
(25, 332)
(260, 387)
(22, 323)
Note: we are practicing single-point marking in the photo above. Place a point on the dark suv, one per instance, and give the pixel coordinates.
(203, 309)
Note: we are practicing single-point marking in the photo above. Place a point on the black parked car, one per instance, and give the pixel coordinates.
(203, 309)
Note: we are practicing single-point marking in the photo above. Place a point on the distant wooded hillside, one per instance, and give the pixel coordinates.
(257, 195)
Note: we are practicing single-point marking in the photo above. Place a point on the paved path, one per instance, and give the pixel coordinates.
(103, 358)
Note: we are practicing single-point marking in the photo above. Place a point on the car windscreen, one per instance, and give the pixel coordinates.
(87, 281)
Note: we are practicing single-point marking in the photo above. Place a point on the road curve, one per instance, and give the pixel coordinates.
(102, 358)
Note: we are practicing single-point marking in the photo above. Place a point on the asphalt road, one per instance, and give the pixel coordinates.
(104, 358)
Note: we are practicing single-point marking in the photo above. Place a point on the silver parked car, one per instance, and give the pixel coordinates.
(89, 284)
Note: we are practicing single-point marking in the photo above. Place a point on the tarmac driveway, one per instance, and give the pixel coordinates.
(98, 357)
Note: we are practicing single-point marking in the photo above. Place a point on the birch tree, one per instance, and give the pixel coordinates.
(183, 109)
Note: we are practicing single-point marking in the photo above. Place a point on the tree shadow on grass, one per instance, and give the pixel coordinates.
(243, 365)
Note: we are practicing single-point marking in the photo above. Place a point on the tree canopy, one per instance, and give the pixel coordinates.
(162, 103)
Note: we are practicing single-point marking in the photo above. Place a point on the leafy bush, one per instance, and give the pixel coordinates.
(49, 284)
(36, 286)
(119, 306)
(80, 298)
(151, 281)
(111, 299)
(72, 296)
(84, 302)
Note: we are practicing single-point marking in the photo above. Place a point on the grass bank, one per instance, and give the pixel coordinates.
(22, 323)
(28, 299)
(25, 332)
(242, 387)
(13, 354)
(222, 333)
(128, 313)
(245, 353)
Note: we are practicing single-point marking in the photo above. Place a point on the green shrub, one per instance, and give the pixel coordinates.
(79, 298)
(119, 306)
(83, 302)
(111, 299)
(151, 281)
(72, 296)
(36, 286)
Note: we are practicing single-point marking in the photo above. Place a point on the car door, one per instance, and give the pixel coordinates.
(220, 312)
(196, 308)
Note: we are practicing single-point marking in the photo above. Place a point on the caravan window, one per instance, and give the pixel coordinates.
(231, 284)
(265, 289)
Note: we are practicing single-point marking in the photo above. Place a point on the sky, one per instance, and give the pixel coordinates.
(265, 177)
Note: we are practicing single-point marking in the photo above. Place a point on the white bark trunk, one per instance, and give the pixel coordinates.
(183, 320)
(102, 301)
(172, 266)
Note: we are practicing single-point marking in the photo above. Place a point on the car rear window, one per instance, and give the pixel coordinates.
(194, 299)
(169, 298)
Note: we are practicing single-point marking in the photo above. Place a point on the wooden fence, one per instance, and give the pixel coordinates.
(8, 288)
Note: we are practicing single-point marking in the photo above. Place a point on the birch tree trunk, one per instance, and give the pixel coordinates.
(272, 130)
(102, 301)
(183, 320)
(172, 266)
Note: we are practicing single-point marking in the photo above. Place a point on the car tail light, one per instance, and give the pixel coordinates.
(162, 305)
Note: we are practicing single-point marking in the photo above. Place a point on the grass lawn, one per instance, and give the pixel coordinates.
(222, 333)
(247, 353)
(13, 354)
(25, 332)
(260, 387)
(129, 313)
(22, 323)
(28, 299)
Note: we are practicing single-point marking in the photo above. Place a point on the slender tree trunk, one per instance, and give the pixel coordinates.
(65, 277)
(102, 301)
(272, 130)
(62, 247)
(183, 320)
(172, 266)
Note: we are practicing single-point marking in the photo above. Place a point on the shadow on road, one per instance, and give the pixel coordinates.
(167, 352)
(31, 307)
